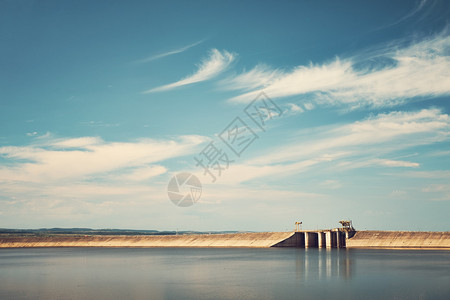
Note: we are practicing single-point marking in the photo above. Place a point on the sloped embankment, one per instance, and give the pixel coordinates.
(399, 239)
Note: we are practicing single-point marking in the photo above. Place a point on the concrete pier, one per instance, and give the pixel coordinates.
(328, 239)
(340, 239)
(332, 239)
(321, 240)
(311, 240)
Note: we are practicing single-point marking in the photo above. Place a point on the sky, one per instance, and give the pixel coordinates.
(285, 111)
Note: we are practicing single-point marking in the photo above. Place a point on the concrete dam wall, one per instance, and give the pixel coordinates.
(259, 240)
(301, 239)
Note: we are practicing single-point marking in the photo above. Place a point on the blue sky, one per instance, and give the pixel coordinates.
(102, 102)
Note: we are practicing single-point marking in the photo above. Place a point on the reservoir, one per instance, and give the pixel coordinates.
(223, 273)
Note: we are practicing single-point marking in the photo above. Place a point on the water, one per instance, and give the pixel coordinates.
(186, 273)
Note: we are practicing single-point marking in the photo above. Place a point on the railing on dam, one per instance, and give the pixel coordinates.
(334, 238)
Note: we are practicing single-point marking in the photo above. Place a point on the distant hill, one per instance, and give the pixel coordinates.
(89, 231)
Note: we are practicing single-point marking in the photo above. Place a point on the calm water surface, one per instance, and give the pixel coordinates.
(185, 273)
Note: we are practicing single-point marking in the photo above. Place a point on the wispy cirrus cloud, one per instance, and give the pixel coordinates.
(385, 77)
(210, 67)
(418, 8)
(393, 131)
(168, 53)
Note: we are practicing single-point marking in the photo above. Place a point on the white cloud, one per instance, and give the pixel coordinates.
(81, 142)
(87, 178)
(246, 171)
(293, 109)
(81, 158)
(99, 124)
(309, 106)
(395, 126)
(258, 77)
(396, 163)
(208, 68)
(331, 184)
(436, 174)
(438, 192)
(222, 193)
(440, 153)
(397, 193)
(142, 173)
(436, 188)
(168, 53)
(355, 145)
(384, 78)
(419, 7)
(300, 80)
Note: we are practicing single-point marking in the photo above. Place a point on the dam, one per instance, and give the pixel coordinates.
(327, 239)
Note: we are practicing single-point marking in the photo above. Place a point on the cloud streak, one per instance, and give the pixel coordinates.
(169, 53)
(210, 67)
(438, 192)
(396, 163)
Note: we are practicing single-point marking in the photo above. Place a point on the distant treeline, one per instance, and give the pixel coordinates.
(89, 231)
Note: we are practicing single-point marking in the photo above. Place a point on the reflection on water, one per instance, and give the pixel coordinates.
(323, 263)
(186, 273)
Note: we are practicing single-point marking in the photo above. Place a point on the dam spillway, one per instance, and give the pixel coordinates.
(316, 239)
(328, 239)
